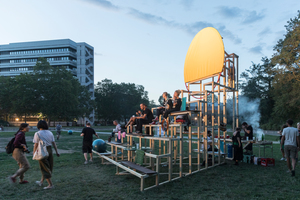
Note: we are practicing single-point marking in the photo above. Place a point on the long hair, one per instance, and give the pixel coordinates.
(21, 127)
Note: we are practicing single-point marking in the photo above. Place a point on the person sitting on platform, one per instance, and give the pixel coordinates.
(146, 118)
(248, 133)
(167, 104)
(132, 120)
(176, 106)
(237, 146)
(116, 130)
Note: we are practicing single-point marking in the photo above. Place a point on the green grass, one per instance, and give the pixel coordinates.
(73, 180)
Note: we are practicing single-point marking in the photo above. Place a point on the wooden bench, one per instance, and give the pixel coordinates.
(138, 167)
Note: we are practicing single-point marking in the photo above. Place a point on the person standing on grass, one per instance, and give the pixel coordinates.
(237, 146)
(19, 154)
(290, 140)
(46, 165)
(248, 133)
(58, 130)
(282, 146)
(87, 144)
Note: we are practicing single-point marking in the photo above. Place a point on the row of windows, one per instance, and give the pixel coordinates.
(48, 59)
(14, 69)
(42, 51)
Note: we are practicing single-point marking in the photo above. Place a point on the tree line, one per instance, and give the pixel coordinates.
(51, 93)
(54, 94)
(276, 81)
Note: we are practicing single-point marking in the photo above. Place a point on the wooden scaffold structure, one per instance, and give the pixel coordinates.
(172, 154)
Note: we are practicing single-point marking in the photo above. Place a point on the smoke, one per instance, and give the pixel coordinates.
(248, 112)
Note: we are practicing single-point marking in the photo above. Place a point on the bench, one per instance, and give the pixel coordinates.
(139, 168)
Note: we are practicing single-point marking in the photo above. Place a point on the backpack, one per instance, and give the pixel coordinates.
(10, 146)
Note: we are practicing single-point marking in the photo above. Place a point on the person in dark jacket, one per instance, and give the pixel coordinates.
(19, 154)
(237, 146)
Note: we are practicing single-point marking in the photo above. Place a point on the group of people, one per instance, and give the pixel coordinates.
(237, 142)
(20, 148)
(145, 116)
(47, 138)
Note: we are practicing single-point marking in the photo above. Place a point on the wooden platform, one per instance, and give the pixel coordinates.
(138, 167)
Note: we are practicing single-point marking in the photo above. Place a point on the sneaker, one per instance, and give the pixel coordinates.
(288, 171)
(11, 179)
(282, 159)
(153, 123)
(39, 183)
(109, 139)
(86, 162)
(23, 182)
(90, 161)
(49, 187)
(293, 172)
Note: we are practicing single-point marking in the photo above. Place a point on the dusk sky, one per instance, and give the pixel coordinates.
(145, 41)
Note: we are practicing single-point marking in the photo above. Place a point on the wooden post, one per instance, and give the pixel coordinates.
(190, 149)
(205, 131)
(213, 121)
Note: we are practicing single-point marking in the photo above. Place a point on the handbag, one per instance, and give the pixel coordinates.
(41, 151)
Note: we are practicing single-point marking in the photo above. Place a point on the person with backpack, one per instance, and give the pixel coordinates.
(20, 147)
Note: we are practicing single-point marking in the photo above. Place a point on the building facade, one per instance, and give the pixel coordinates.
(78, 58)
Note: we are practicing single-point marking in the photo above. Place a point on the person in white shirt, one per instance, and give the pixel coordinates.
(46, 165)
(290, 140)
(116, 130)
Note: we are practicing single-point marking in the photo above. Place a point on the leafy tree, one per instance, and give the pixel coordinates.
(287, 75)
(25, 96)
(258, 85)
(61, 95)
(118, 101)
(6, 88)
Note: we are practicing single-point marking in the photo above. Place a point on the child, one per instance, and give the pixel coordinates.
(237, 145)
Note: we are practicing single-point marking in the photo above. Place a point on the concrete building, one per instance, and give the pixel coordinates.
(17, 58)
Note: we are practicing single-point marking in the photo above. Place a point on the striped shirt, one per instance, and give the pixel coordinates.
(44, 135)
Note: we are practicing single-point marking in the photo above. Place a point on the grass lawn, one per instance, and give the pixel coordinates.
(73, 180)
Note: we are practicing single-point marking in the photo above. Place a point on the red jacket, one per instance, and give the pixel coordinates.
(20, 139)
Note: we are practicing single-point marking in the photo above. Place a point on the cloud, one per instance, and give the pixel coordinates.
(191, 28)
(253, 17)
(256, 50)
(187, 3)
(195, 27)
(265, 31)
(235, 12)
(228, 34)
(104, 4)
(230, 12)
(149, 18)
(98, 54)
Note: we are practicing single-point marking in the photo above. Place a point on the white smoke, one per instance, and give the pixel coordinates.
(248, 112)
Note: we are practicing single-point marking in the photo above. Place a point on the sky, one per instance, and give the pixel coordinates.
(145, 41)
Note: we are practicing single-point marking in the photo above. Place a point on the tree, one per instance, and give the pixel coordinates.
(287, 73)
(61, 96)
(25, 96)
(258, 85)
(118, 101)
(6, 88)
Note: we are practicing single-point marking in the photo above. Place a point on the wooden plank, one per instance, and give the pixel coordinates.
(138, 167)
